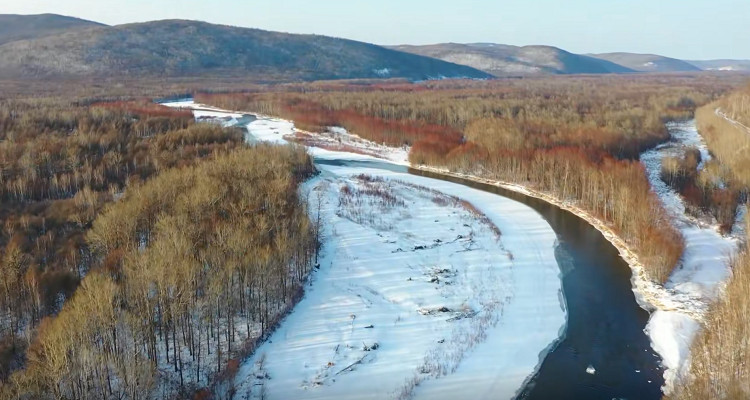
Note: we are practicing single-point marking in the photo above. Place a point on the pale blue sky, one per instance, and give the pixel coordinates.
(690, 29)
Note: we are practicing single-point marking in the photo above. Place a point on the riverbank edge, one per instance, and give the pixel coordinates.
(645, 290)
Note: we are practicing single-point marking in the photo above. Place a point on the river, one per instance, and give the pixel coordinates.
(604, 352)
(605, 323)
(605, 329)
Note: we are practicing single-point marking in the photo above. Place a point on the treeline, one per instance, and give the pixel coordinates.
(620, 117)
(313, 117)
(720, 355)
(192, 268)
(577, 138)
(704, 186)
(723, 183)
(616, 191)
(60, 163)
(736, 105)
(727, 142)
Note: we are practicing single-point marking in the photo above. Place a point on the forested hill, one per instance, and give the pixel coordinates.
(181, 48)
(505, 60)
(647, 62)
(21, 27)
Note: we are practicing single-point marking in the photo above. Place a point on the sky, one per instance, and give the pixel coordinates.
(687, 29)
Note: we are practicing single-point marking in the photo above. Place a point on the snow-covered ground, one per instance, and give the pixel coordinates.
(417, 295)
(450, 303)
(704, 267)
(269, 129)
(340, 140)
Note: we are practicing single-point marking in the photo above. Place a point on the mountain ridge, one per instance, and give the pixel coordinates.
(15, 27)
(647, 62)
(51, 46)
(195, 48)
(722, 65)
(508, 60)
(504, 60)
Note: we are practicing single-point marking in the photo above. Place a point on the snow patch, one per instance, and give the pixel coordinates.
(382, 72)
(725, 68)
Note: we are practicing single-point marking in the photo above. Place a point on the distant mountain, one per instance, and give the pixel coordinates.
(191, 48)
(22, 27)
(505, 60)
(722, 65)
(647, 62)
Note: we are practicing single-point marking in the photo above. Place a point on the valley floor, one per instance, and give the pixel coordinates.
(676, 308)
(425, 288)
(418, 295)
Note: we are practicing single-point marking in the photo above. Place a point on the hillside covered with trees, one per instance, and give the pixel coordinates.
(140, 251)
(25, 27)
(179, 48)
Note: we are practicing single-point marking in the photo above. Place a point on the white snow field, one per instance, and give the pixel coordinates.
(703, 269)
(417, 295)
(450, 303)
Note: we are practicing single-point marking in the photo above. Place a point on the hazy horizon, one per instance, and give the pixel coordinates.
(682, 29)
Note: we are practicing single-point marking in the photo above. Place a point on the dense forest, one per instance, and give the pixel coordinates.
(721, 352)
(59, 164)
(577, 138)
(140, 251)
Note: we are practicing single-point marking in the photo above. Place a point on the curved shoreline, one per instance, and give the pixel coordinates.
(646, 291)
(648, 295)
(569, 349)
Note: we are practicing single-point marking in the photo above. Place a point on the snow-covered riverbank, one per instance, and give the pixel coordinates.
(677, 307)
(448, 300)
(422, 291)
(703, 269)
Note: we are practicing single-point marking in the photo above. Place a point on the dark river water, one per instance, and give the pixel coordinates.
(605, 324)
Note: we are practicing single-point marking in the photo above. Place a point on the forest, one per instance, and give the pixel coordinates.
(140, 252)
(577, 138)
(721, 352)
